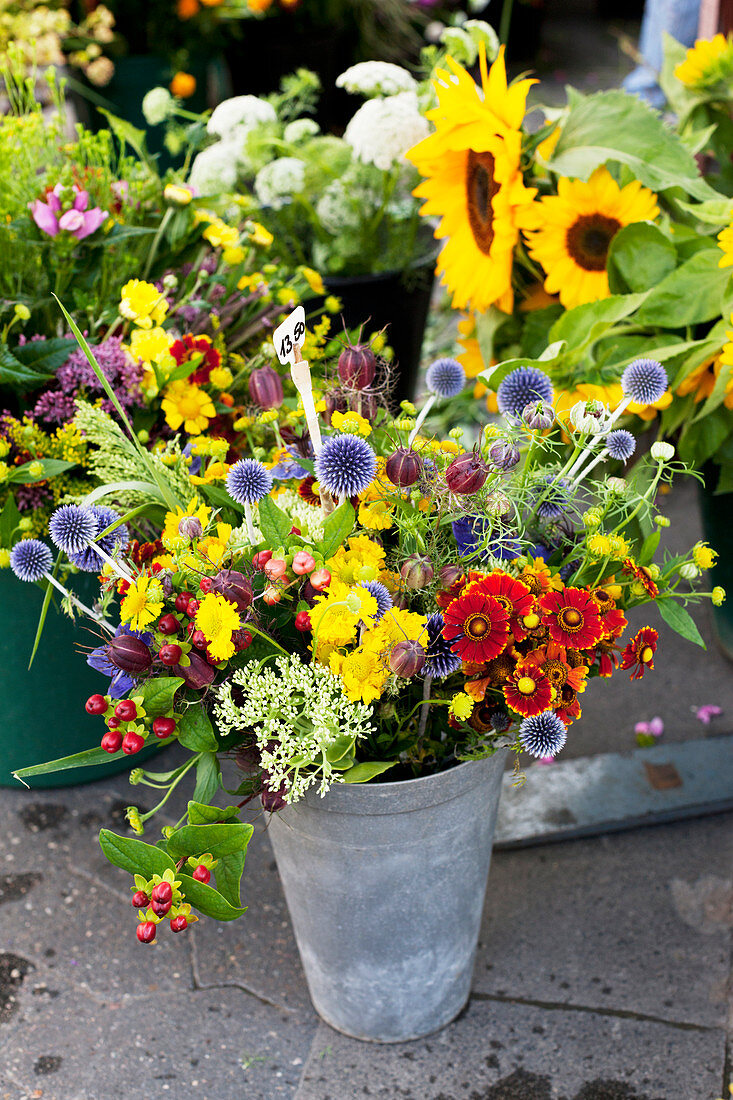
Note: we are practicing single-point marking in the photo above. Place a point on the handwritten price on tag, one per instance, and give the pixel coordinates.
(290, 335)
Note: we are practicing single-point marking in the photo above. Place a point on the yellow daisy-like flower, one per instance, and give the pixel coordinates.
(570, 233)
(221, 377)
(313, 279)
(215, 471)
(599, 546)
(218, 619)
(143, 602)
(473, 181)
(361, 672)
(221, 235)
(351, 423)
(151, 345)
(703, 556)
(334, 622)
(461, 706)
(142, 303)
(707, 63)
(170, 536)
(361, 560)
(187, 405)
(375, 515)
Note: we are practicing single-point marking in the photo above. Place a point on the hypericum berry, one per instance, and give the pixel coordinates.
(170, 654)
(146, 931)
(233, 586)
(113, 722)
(182, 600)
(160, 908)
(112, 741)
(140, 900)
(276, 568)
(272, 595)
(192, 607)
(242, 640)
(303, 621)
(179, 924)
(211, 658)
(403, 467)
(261, 559)
(96, 704)
(126, 710)
(466, 473)
(162, 892)
(417, 571)
(357, 366)
(164, 727)
(168, 624)
(201, 874)
(303, 563)
(198, 638)
(205, 585)
(132, 743)
(320, 579)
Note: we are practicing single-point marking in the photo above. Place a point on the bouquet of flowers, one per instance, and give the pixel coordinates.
(369, 601)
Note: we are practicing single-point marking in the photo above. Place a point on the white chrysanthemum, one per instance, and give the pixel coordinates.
(241, 113)
(376, 78)
(299, 130)
(382, 130)
(296, 712)
(158, 104)
(279, 180)
(215, 169)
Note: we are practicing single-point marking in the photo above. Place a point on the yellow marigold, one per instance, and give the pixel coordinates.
(218, 619)
(151, 345)
(221, 378)
(143, 602)
(361, 560)
(221, 235)
(361, 672)
(142, 303)
(351, 423)
(461, 706)
(211, 550)
(334, 621)
(375, 515)
(234, 255)
(599, 545)
(703, 556)
(215, 471)
(187, 405)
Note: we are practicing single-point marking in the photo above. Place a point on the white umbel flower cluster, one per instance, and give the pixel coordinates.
(382, 130)
(300, 129)
(376, 78)
(215, 169)
(298, 714)
(158, 105)
(234, 117)
(278, 181)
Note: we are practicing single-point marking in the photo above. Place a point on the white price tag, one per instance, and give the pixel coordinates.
(290, 335)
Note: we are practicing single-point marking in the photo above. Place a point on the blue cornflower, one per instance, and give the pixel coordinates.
(88, 559)
(381, 595)
(346, 466)
(620, 445)
(644, 381)
(248, 481)
(30, 559)
(521, 387)
(289, 465)
(445, 378)
(543, 734)
(440, 661)
(72, 527)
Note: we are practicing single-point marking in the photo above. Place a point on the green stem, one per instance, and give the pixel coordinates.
(156, 241)
(186, 768)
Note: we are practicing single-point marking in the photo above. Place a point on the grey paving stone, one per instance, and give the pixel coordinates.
(501, 1051)
(639, 921)
(216, 1045)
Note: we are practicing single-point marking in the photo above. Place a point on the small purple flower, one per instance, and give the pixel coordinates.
(346, 466)
(620, 445)
(72, 527)
(248, 481)
(381, 595)
(445, 378)
(88, 559)
(644, 381)
(440, 660)
(521, 387)
(706, 713)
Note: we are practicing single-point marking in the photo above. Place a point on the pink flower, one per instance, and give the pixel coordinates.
(655, 727)
(706, 713)
(50, 216)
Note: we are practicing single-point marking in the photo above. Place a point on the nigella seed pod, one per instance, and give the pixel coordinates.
(417, 571)
(128, 653)
(448, 575)
(403, 467)
(357, 366)
(407, 659)
(198, 674)
(166, 583)
(503, 454)
(335, 400)
(190, 527)
(466, 474)
(498, 504)
(266, 388)
(365, 404)
(234, 587)
(538, 415)
(272, 801)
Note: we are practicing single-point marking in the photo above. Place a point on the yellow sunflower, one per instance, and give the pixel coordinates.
(187, 405)
(707, 63)
(570, 233)
(473, 181)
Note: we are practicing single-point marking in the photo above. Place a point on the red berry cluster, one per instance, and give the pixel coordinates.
(127, 723)
(285, 569)
(161, 899)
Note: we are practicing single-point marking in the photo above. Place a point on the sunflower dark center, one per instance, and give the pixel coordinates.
(476, 626)
(480, 190)
(588, 240)
(570, 619)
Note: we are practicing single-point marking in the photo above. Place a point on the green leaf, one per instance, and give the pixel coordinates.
(126, 133)
(208, 778)
(135, 856)
(195, 731)
(52, 467)
(45, 356)
(208, 900)
(78, 760)
(340, 748)
(488, 324)
(362, 773)
(200, 813)
(615, 126)
(337, 527)
(680, 621)
(274, 524)
(219, 839)
(228, 873)
(716, 212)
(689, 295)
(581, 326)
(44, 611)
(494, 375)
(649, 548)
(158, 694)
(9, 520)
(13, 373)
(639, 258)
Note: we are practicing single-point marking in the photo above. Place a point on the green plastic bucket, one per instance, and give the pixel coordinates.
(43, 714)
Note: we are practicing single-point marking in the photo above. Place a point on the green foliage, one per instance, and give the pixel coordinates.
(135, 856)
(640, 256)
(680, 620)
(195, 731)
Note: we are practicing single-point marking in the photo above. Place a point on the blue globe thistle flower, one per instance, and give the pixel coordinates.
(543, 734)
(445, 378)
(88, 559)
(520, 388)
(381, 595)
(30, 559)
(620, 445)
(644, 381)
(440, 661)
(346, 466)
(556, 498)
(72, 527)
(248, 481)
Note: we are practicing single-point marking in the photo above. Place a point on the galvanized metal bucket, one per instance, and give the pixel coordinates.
(385, 883)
